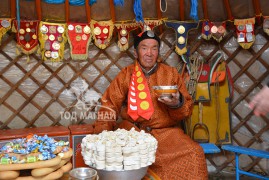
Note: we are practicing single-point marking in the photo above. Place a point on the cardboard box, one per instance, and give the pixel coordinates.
(77, 133)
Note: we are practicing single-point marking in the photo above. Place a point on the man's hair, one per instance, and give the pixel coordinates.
(145, 35)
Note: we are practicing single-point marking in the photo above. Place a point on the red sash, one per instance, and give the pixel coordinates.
(139, 98)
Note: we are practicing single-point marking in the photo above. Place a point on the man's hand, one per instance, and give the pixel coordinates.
(170, 101)
(260, 102)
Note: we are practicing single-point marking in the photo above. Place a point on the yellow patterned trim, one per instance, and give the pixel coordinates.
(123, 47)
(266, 31)
(125, 25)
(4, 30)
(206, 37)
(34, 49)
(247, 45)
(244, 21)
(180, 51)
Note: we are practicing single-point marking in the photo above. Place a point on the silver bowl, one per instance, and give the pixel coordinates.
(136, 174)
(83, 173)
(165, 91)
(164, 87)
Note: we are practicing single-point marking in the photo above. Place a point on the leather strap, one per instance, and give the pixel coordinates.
(38, 9)
(181, 10)
(205, 10)
(228, 9)
(13, 9)
(88, 11)
(67, 9)
(230, 79)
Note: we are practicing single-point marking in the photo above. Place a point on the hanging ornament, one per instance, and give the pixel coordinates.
(182, 28)
(5, 25)
(79, 37)
(206, 30)
(102, 32)
(124, 30)
(218, 30)
(150, 24)
(52, 39)
(26, 35)
(245, 32)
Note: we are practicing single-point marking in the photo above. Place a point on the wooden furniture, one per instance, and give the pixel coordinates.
(248, 151)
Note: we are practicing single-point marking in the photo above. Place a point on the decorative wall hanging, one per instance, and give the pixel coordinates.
(266, 24)
(182, 29)
(150, 24)
(123, 34)
(26, 35)
(218, 30)
(206, 30)
(79, 37)
(245, 32)
(5, 25)
(52, 39)
(102, 32)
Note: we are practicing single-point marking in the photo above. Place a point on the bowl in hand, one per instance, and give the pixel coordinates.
(165, 91)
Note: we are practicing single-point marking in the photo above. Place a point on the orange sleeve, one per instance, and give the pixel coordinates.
(185, 110)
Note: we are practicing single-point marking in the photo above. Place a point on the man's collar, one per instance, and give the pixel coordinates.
(151, 71)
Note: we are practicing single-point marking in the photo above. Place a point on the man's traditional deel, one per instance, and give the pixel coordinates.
(102, 32)
(139, 98)
(5, 25)
(182, 29)
(52, 39)
(27, 41)
(245, 32)
(79, 38)
(123, 34)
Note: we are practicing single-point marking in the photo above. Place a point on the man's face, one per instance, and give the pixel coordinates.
(147, 53)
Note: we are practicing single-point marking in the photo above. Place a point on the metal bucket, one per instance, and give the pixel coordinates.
(83, 173)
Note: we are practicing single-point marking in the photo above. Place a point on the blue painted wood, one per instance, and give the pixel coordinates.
(210, 148)
(248, 151)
